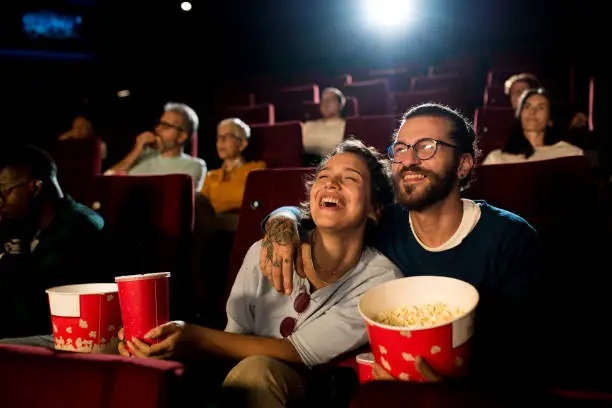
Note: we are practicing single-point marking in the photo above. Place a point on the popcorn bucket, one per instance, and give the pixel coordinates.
(85, 318)
(444, 346)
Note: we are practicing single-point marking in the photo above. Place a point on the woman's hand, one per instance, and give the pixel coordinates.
(173, 336)
(276, 258)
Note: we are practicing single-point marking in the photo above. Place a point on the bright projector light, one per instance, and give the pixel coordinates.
(388, 13)
(186, 6)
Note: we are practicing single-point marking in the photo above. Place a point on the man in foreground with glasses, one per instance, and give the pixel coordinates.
(161, 151)
(432, 231)
(47, 240)
(275, 336)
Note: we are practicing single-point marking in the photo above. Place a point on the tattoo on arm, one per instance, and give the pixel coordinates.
(281, 231)
(267, 246)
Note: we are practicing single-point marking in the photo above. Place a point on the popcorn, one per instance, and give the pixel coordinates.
(419, 316)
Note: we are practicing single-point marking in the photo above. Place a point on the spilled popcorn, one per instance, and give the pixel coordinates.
(419, 316)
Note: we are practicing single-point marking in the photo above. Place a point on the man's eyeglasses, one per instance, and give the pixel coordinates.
(424, 149)
(167, 125)
(300, 304)
(5, 193)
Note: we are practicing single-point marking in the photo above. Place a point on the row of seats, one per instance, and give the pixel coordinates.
(369, 97)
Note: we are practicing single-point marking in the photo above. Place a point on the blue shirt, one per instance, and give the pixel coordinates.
(498, 256)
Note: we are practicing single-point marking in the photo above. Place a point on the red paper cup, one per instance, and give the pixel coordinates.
(144, 303)
(445, 347)
(364, 363)
(86, 318)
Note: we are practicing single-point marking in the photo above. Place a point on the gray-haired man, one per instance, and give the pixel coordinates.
(161, 151)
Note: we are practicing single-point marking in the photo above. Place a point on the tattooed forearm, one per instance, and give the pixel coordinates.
(281, 231)
(267, 246)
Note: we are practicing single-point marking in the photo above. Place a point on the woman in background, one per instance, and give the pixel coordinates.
(216, 215)
(321, 136)
(534, 136)
(224, 187)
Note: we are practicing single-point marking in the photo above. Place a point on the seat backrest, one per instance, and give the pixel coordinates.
(266, 190)
(545, 192)
(290, 95)
(63, 380)
(494, 96)
(278, 145)
(373, 96)
(376, 131)
(256, 114)
(150, 220)
(78, 162)
(230, 96)
(427, 83)
(465, 65)
(306, 111)
(405, 100)
(398, 81)
(493, 126)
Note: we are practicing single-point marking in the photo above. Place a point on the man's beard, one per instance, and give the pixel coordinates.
(437, 189)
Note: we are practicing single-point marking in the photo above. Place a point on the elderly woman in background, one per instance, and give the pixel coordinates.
(533, 137)
(224, 187)
(321, 136)
(216, 212)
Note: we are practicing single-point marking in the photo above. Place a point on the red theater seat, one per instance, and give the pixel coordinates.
(537, 191)
(494, 96)
(464, 66)
(256, 114)
(405, 100)
(34, 377)
(78, 162)
(373, 96)
(493, 126)
(398, 81)
(293, 95)
(229, 96)
(150, 219)
(278, 145)
(428, 83)
(266, 190)
(322, 80)
(306, 111)
(376, 131)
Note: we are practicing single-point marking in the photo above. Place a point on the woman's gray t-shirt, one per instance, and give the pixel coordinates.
(330, 326)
